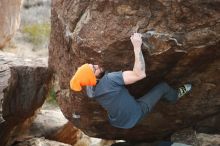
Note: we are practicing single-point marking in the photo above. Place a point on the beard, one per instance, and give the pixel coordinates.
(101, 75)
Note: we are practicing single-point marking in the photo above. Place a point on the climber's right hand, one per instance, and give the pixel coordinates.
(136, 40)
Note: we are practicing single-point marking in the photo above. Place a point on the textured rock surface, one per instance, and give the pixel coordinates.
(183, 46)
(40, 142)
(9, 19)
(24, 84)
(208, 140)
(186, 137)
(67, 134)
(52, 125)
(190, 137)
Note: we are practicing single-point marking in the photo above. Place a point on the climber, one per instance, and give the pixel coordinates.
(124, 111)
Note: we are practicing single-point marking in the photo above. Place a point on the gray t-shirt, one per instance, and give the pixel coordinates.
(123, 110)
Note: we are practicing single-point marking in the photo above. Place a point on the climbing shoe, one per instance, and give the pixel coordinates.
(184, 89)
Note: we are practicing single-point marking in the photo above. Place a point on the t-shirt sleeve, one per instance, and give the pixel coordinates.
(116, 78)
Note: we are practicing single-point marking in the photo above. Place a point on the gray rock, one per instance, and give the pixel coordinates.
(40, 142)
(24, 84)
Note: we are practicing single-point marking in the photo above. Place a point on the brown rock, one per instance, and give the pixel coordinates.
(9, 19)
(182, 46)
(24, 84)
(67, 134)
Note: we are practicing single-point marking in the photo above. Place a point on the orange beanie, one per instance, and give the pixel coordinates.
(83, 76)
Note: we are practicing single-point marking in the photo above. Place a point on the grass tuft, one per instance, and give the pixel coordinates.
(52, 97)
(38, 34)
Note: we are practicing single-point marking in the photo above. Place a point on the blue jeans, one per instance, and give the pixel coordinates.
(162, 90)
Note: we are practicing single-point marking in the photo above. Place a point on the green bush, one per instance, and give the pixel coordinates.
(38, 34)
(52, 96)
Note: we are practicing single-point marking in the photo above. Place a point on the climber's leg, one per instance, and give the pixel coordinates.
(148, 101)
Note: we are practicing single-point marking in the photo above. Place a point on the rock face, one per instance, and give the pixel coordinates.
(24, 84)
(181, 45)
(9, 19)
(190, 137)
(67, 134)
(40, 142)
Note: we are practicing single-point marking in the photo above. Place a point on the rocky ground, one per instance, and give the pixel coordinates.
(31, 40)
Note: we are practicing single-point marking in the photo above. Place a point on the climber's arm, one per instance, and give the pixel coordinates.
(138, 71)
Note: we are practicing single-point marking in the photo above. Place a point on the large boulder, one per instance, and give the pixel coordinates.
(24, 84)
(181, 45)
(9, 19)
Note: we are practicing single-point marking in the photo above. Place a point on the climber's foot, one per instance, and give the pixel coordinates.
(184, 90)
